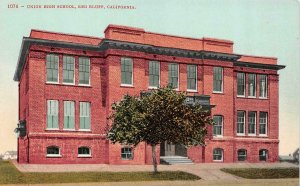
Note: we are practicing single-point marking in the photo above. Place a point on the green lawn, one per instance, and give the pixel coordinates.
(10, 175)
(264, 173)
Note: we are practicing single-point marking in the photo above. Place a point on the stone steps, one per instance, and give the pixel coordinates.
(171, 160)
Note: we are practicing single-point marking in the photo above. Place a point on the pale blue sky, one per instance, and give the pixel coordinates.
(263, 28)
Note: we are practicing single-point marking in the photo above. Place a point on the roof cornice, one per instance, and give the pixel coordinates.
(122, 45)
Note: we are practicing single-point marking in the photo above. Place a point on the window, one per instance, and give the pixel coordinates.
(85, 117)
(84, 71)
(263, 155)
(52, 68)
(192, 77)
(251, 123)
(53, 151)
(154, 74)
(241, 123)
(242, 155)
(263, 86)
(68, 69)
(84, 152)
(52, 114)
(218, 154)
(126, 153)
(263, 123)
(241, 84)
(218, 79)
(173, 75)
(68, 115)
(218, 126)
(126, 71)
(251, 85)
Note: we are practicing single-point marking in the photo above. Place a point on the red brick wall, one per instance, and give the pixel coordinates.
(106, 89)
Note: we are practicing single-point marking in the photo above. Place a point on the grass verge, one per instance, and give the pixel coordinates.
(263, 173)
(10, 175)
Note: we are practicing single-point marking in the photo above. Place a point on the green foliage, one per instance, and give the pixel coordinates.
(10, 175)
(158, 117)
(264, 173)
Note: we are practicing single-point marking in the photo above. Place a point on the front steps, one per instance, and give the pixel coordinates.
(171, 160)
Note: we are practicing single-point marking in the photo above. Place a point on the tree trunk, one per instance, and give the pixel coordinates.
(154, 162)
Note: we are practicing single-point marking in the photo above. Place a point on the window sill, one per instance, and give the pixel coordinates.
(84, 156)
(152, 87)
(52, 83)
(240, 134)
(84, 85)
(241, 96)
(218, 136)
(127, 86)
(189, 90)
(52, 129)
(218, 161)
(252, 97)
(126, 159)
(216, 92)
(85, 130)
(263, 97)
(53, 156)
(71, 84)
(251, 135)
(263, 135)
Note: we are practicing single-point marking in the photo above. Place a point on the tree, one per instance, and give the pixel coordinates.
(156, 118)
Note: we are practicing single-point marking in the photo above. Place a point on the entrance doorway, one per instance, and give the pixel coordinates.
(170, 149)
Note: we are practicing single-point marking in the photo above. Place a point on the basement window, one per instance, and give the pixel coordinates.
(84, 152)
(53, 151)
(126, 153)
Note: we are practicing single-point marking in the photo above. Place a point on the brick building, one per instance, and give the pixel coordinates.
(67, 84)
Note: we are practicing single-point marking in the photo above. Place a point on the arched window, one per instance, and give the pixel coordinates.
(242, 155)
(53, 151)
(218, 154)
(263, 155)
(126, 153)
(84, 152)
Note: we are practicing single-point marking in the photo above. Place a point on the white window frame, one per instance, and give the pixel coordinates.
(53, 155)
(237, 122)
(192, 90)
(154, 87)
(266, 124)
(53, 82)
(255, 86)
(127, 147)
(222, 154)
(69, 113)
(222, 84)
(132, 68)
(237, 90)
(66, 83)
(266, 86)
(252, 134)
(177, 73)
(222, 125)
(84, 155)
(57, 113)
(80, 84)
(82, 115)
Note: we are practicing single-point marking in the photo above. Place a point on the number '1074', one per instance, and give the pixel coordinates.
(12, 6)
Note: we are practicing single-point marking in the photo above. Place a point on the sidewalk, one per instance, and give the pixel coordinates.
(207, 171)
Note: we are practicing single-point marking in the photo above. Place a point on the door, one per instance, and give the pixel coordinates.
(169, 149)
